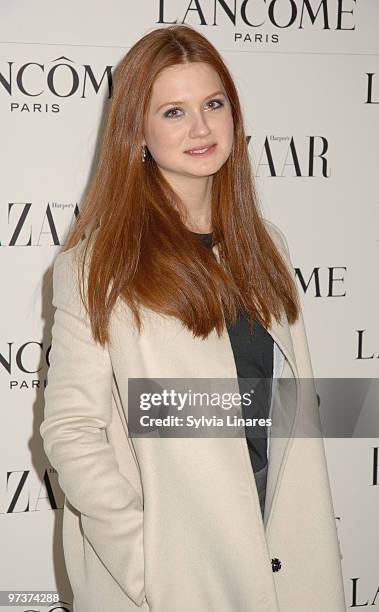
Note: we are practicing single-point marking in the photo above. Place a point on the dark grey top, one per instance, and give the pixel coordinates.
(253, 355)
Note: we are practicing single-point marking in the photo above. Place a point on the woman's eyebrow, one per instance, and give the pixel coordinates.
(177, 102)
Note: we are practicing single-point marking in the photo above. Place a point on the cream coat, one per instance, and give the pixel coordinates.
(174, 525)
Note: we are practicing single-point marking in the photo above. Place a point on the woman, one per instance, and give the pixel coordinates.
(171, 272)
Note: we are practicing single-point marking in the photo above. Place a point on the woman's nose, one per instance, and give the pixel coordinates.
(199, 125)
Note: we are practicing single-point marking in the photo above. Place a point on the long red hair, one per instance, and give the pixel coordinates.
(140, 248)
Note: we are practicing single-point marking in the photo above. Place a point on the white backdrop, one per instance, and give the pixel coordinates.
(308, 77)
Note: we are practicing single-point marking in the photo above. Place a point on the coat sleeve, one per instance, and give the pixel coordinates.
(78, 409)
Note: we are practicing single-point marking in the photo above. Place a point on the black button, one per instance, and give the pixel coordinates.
(276, 564)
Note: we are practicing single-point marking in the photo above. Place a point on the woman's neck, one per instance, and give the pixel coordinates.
(195, 194)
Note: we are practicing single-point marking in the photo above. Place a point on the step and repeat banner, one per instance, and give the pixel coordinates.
(308, 76)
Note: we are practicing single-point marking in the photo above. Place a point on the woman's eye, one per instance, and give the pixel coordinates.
(215, 104)
(173, 112)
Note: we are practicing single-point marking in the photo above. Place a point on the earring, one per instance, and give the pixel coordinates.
(143, 153)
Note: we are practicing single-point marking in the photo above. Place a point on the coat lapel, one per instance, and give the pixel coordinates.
(283, 408)
(281, 334)
(283, 411)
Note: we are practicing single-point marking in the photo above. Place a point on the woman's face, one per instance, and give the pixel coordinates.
(189, 124)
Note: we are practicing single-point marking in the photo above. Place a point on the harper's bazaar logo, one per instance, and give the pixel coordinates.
(22, 362)
(61, 78)
(25, 225)
(281, 14)
(283, 156)
(26, 491)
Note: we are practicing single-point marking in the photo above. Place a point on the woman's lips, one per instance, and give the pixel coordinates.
(201, 151)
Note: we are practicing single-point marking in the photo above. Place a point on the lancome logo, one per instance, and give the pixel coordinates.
(365, 347)
(22, 363)
(363, 596)
(372, 89)
(279, 14)
(33, 82)
(375, 466)
(326, 282)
